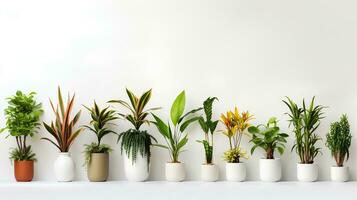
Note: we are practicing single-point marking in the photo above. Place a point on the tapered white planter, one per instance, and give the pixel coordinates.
(307, 172)
(270, 169)
(175, 172)
(339, 174)
(138, 170)
(236, 171)
(209, 172)
(64, 167)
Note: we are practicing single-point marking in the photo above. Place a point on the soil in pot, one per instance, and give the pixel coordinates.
(24, 170)
(98, 167)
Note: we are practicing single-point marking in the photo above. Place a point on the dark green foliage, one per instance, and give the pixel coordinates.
(305, 121)
(94, 148)
(25, 154)
(338, 140)
(268, 138)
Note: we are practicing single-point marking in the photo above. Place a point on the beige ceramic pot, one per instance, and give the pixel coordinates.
(98, 167)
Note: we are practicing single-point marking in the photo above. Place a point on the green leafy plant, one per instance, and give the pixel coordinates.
(174, 134)
(22, 120)
(62, 129)
(101, 118)
(135, 141)
(338, 140)
(306, 120)
(268, 137)
(208, 126)
(233, 155)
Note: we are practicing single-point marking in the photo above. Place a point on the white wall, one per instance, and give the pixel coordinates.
(247, 53)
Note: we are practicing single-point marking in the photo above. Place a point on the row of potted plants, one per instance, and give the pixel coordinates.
(23, 120)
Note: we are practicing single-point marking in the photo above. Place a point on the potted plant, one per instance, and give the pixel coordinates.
(64, 134)
(269, 138)
(175, 137)
(306, 120)
(338, 140)
(135, 142)
(235, 123)
(22, 119)
(209, 171)
(96, 153)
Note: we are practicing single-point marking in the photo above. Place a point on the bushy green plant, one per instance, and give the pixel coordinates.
(306, 120)
(134, 141)
(99, 126)
(338, 140)
(234, 155)
(22, 120)
(174, 134)
(268, 137)
(208, 126)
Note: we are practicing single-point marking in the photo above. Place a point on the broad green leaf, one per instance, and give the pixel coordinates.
(178, 108)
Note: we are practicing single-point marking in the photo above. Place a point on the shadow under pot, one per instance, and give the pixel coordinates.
(175, 172)
(236, 172)
(339, 174)
(64, 167)
(98, 167)
(307, 172)
(23, 170)
(270, 169)
(209, 172)
(138, 170)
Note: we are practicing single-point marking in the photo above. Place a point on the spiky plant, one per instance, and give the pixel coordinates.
(338, 140)
(22, 121)
(306, 120)
(99, 126)
(62, 129)
(134, 141)
(208, 127)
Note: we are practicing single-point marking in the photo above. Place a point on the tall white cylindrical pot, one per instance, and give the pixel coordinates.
(236, 172)
(64, 167)
(339, 174)
(307, 172)
(270, 169)
(175, 172)
(209, 172)
(138, 170)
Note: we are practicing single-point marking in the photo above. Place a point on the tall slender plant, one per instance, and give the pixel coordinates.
(208, 127)
(306, 120)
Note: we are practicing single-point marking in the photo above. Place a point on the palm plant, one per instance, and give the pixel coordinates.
(101, 118)
(208, 126)
(306, 120)
(135, 141)
(174, 134)
(62, 129)
(22, 120)
(338, 140)
(268, 137)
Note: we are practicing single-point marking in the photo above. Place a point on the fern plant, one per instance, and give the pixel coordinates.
(101, 118)
(306, 120)
(208, 127)
(134, 141)
(22, 121)
(338, 140)
(174, 135)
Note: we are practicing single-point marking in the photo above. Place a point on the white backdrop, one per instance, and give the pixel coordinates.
(249, 54)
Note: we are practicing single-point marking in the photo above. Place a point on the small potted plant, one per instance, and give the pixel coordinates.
(96, 153)
(235, 123)
(175, 137)
(306, 120)
(22, 120)
(135, 142)
(209, 171)
(63, 131)
(269, 138)
(338, 140)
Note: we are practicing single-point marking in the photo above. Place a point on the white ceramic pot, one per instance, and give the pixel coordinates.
(64, 167)
(307, 172)
(175, 172)
(209, 172)
(339, 174)
(236, 171)
(270, 169)
(138, 170)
